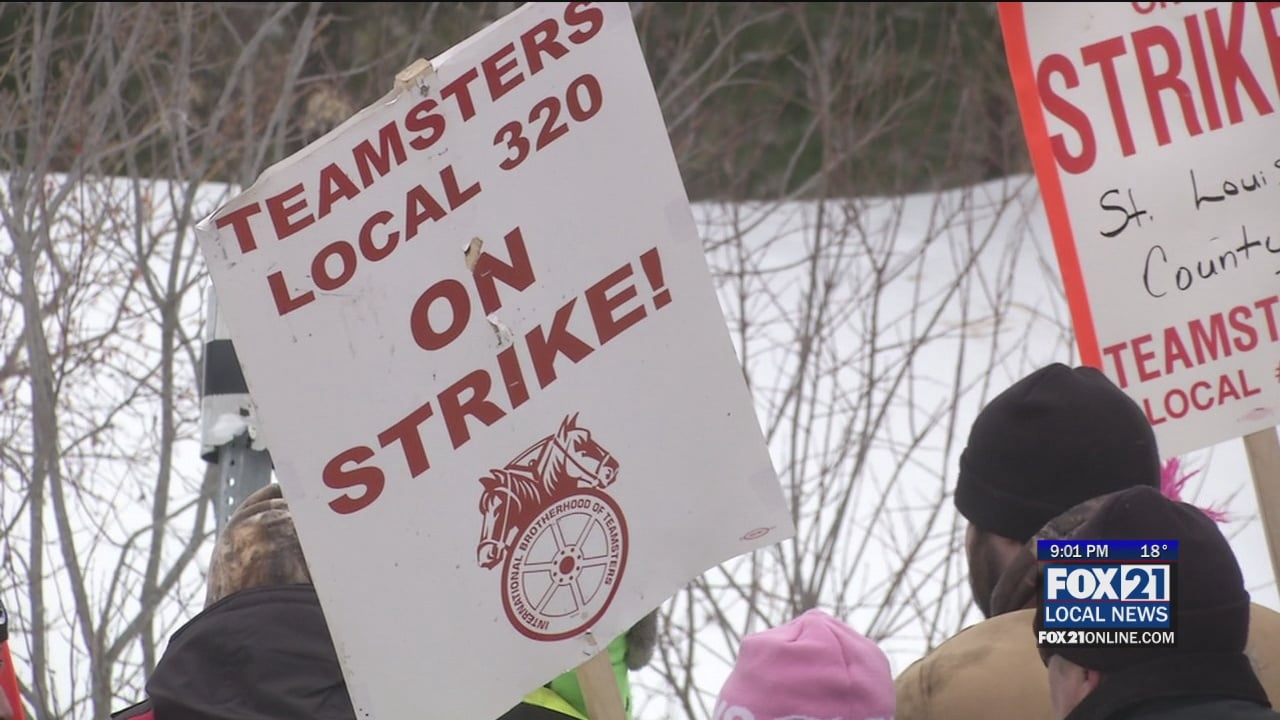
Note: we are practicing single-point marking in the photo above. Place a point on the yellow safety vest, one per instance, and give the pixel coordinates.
(547, 698)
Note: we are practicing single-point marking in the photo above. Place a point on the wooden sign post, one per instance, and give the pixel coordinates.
(600, 688)
(1263, 450)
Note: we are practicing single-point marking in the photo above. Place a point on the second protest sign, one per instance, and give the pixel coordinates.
(1155, 134)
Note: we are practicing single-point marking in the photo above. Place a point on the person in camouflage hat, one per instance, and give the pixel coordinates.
(260, 648)
(258, 548)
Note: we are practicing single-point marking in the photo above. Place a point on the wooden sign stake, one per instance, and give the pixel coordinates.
(1263, 449)
(600, 688)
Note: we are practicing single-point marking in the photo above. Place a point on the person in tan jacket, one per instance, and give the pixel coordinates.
(1057, 438)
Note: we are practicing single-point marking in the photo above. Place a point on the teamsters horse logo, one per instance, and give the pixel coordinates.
(561, 541)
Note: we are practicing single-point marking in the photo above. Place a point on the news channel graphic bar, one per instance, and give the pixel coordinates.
(1106, 638)
(1107, 550)
(1107, 592)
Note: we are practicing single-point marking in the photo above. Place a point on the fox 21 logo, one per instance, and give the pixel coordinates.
(1133, 583)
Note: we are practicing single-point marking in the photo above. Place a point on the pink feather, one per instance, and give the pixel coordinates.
(1172, 480)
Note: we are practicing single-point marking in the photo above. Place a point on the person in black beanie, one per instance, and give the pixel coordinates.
(1046, 451)
(1206, 674)
(1056, 438)
(1051, 441)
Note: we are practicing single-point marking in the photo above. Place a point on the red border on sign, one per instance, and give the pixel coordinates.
(1013, 26)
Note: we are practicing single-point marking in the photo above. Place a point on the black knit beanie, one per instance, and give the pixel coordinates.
(1211, 604)
(1051, 441)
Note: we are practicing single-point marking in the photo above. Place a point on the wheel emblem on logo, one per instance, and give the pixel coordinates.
(564, 568)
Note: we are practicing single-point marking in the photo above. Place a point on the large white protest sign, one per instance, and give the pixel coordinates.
(488, 360)
(1155, 132)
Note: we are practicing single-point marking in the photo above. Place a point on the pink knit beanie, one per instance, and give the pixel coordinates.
(812, 668)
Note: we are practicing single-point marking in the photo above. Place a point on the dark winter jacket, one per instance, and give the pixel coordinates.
(1209, 709)
(260, 654)
(266, 653)
(1219, 686)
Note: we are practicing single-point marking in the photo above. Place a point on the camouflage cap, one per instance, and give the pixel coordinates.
(258, 548)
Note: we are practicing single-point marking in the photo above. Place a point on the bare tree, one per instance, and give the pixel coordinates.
(870, 330)
(118, 115)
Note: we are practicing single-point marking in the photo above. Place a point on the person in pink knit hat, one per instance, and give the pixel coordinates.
(812, 668)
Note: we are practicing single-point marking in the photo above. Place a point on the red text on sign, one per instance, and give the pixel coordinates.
(485, 396)
(1240, 329)
(1196, 77)
(583, 101)
(452, 296)
(1201, 396)
(335, 264)
(423, 125)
